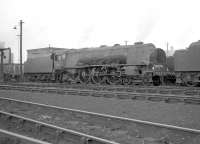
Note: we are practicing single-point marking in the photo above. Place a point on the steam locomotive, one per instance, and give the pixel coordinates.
(118, 64)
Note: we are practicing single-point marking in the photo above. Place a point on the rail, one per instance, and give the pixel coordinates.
(174, 132)
(168, 98)
(48, 132)
(20, 138)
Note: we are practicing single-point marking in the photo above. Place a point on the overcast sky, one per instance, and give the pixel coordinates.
(91, 23)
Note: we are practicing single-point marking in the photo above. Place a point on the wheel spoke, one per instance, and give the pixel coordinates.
(84, 76)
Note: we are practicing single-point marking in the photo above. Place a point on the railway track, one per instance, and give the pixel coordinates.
(174, 90)
(111, 128)
(7, 137)
(168, 98)
(23, 130)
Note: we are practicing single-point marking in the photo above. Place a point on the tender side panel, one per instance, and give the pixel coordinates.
(187, 60)
(38, 65)
(39, 60)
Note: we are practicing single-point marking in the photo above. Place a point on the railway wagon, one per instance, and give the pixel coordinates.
(12, 71)
(187, 64)
(7, 56)
(112, 64)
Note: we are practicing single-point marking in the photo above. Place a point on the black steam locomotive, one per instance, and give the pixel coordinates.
(138, 63)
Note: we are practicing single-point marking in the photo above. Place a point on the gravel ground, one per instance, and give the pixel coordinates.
(178, 114)
(123, 132)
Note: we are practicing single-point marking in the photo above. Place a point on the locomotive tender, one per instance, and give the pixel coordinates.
(187, 65)
(118, 64)
(38, 65)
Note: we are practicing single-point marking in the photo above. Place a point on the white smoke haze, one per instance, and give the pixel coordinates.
(146, 24)
(86, 36)
(2, 44)
(91, 23)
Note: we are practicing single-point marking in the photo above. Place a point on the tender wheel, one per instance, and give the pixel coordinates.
(126, 81)
(170, 79)
(156, 80)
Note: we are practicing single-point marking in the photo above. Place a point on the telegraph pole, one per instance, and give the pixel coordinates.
(126, 42)
(167, 49)
(52, 57)
(2, 71)
(21, 72)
